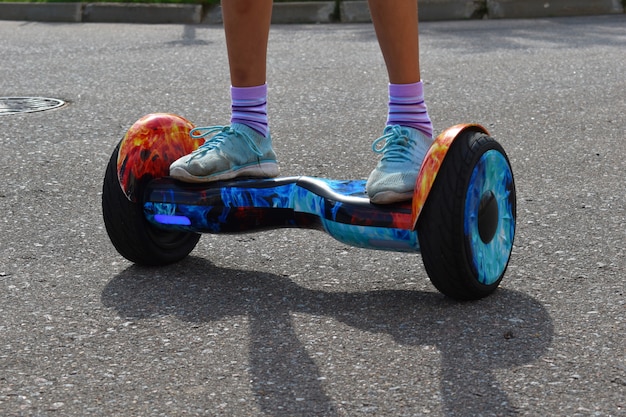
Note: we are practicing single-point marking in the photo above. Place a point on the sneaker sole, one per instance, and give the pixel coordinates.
(390, 197)
(262, 170)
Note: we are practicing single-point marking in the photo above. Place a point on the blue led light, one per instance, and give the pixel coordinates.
(171, 219)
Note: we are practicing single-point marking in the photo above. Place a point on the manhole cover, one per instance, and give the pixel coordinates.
(13, 105)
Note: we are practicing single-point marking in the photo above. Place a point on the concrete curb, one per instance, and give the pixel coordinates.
(436, 10)
(554, 8)
(303, 12)
(354, 12)
(449, 10)
(102, 12)
(42, 12)
(142, 13)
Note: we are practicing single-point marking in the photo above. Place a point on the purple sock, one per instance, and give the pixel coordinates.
(249, 106)
(407, 107)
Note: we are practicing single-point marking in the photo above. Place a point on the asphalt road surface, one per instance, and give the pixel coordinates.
(291, 322)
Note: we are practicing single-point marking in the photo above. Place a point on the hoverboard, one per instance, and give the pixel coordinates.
(461, 217)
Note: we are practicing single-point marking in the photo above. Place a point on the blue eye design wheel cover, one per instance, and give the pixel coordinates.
(492, 174)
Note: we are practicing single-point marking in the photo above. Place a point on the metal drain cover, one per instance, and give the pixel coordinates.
(14, 105)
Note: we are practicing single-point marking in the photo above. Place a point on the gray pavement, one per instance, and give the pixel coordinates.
(290, 322)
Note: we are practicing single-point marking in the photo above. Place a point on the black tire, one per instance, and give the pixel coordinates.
(131, 234)
(467, 226)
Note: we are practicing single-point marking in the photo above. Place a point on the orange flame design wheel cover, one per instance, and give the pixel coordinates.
(149, 147)
(432, 163)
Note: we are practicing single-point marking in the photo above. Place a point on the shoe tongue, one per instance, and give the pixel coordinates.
(401, 141)
(398, 150)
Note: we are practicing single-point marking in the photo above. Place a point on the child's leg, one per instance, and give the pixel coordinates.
(396, 27)
(247, 25)
(408, 134)
(245, 147)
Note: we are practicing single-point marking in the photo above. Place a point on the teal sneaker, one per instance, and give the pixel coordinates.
(393, 179)
(233, 151)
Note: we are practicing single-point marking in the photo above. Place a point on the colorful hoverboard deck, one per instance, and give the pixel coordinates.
(340, 208)
(466, 220)
(156, 140)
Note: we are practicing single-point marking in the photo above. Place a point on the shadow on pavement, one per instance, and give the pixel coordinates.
(504, 330)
